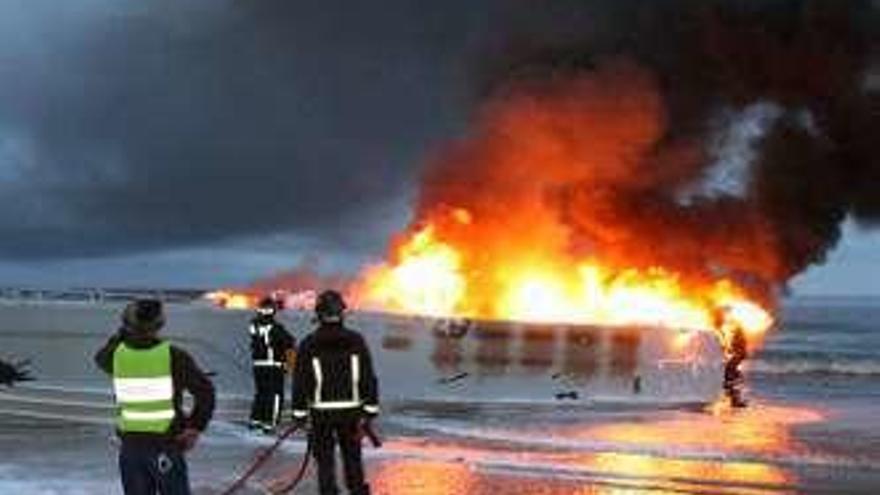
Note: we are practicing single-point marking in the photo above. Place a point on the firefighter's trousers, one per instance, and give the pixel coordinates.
(268, 395)
(330, 428)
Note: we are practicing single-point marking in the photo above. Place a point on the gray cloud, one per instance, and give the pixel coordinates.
(127, 128)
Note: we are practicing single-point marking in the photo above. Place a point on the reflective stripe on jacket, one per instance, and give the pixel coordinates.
(270, 343)
(144, 388)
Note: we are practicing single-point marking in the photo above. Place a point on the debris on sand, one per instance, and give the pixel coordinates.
(10, 373)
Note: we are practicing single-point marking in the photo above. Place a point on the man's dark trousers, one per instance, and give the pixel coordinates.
(150, 468)
(268, 394)
(328, 429)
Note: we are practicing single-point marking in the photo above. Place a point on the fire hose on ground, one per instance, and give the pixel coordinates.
(366, 430)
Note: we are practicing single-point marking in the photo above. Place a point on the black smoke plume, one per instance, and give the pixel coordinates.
(811, 64)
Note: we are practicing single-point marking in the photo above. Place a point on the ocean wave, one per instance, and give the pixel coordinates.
(814, 367)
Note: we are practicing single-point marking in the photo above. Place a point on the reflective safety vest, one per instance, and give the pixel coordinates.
(144, 389)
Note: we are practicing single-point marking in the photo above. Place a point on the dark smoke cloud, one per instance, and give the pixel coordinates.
(307, 275)
(131, 126)
(816, 165)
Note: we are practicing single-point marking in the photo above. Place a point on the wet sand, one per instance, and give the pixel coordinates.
(48, 455)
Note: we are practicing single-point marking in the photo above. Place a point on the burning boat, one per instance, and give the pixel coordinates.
(490, 360)
(583, 242)
(540, 331)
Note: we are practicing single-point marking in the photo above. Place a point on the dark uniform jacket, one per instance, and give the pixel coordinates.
(270, 342)
(334, 372)
(185, 375)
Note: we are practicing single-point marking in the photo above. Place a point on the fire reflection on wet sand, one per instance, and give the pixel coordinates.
(423, 477)
(719, 451)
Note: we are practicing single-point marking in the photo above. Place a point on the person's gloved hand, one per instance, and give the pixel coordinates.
(365, 429)
(370, 412)
(299, 422)
(187, 439)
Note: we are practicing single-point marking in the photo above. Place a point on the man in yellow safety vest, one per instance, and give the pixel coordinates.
(149, 377)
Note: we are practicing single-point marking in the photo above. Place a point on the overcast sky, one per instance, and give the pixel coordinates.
(211, 142)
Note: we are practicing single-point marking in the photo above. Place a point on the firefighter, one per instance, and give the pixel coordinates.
(271, 347)
(735, 352)
(335, 386)
(149, 378)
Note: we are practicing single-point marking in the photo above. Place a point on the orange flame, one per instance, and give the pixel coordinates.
(432, 276)
(229, 299)
(427, 281)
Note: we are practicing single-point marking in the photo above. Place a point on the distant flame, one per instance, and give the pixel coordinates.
(229, 299)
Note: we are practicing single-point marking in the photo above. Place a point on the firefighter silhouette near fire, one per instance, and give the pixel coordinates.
(335, 387)
(273, 352)
(733, 339)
